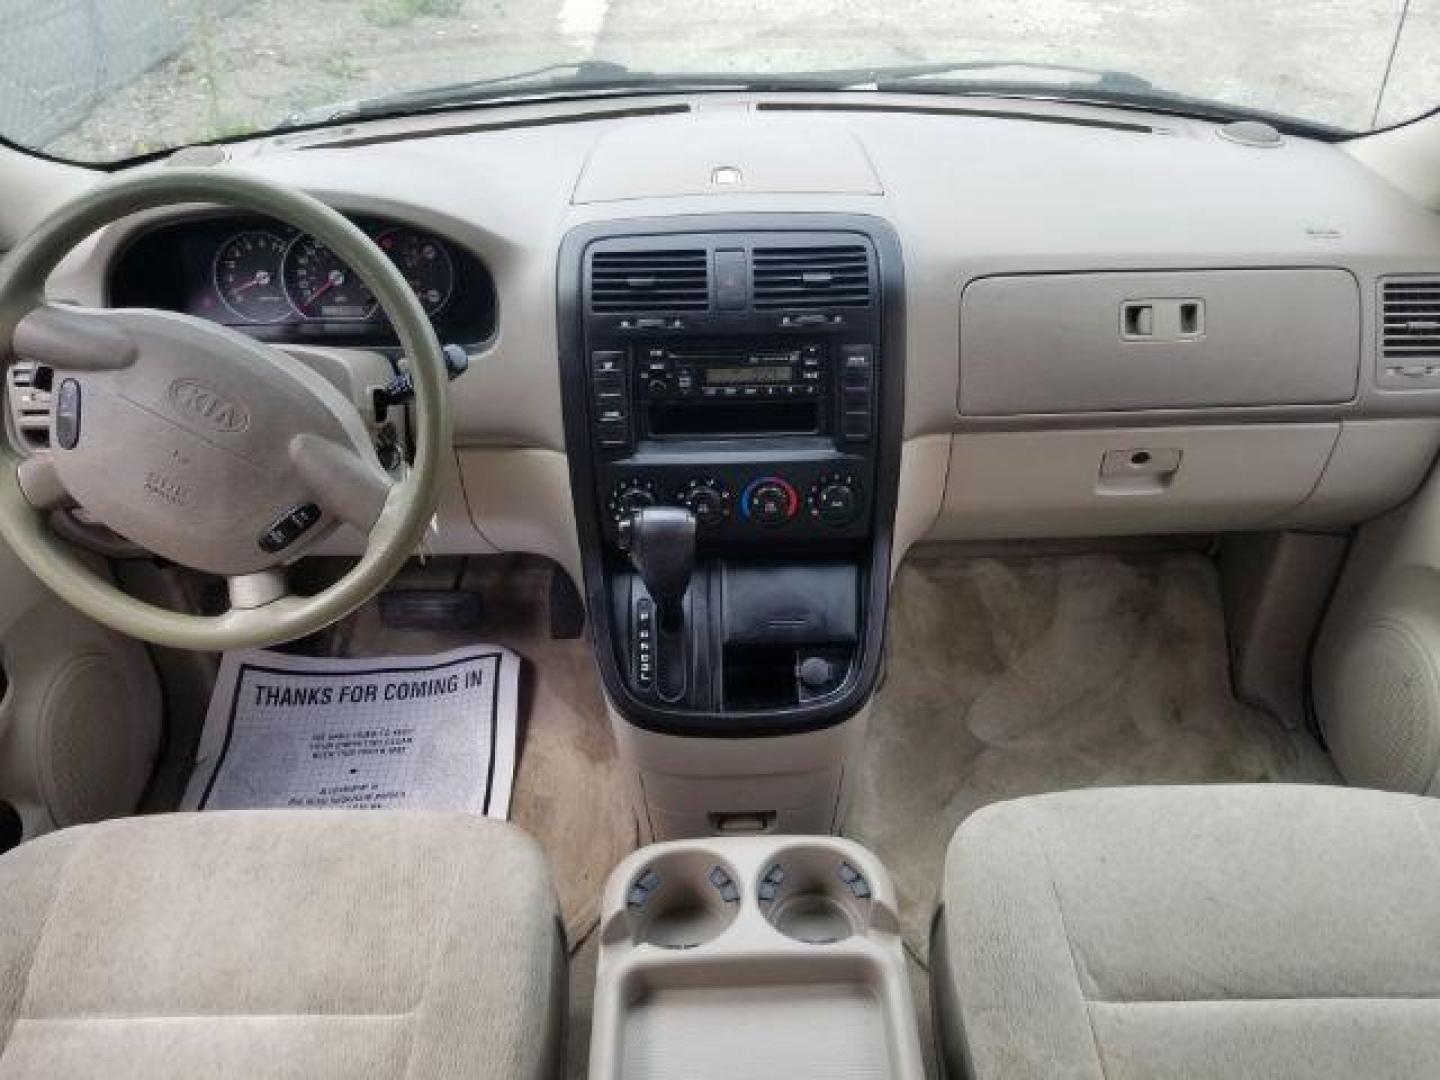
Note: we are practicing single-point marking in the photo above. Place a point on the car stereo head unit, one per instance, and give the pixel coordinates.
(725, 375)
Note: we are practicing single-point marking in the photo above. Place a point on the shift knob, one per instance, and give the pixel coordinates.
(661, 543)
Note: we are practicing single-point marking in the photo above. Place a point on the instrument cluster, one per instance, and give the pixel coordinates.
(274, 282)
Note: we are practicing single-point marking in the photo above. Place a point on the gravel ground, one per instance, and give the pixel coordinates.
(1318, 59)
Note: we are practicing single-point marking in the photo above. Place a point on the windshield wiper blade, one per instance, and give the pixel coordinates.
(581, 73)
(582, 77)
(587, 78)
(902, 76)
(1112, 95)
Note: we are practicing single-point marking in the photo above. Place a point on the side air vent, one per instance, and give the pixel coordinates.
(1411, 320)
(650, 281)
(811, 277)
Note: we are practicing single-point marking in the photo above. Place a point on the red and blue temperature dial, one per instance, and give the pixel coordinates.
(769, 500)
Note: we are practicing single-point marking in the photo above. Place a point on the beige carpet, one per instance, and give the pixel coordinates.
(569, 792)
(1011, 677)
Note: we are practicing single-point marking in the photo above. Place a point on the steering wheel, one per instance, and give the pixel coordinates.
(204, 446)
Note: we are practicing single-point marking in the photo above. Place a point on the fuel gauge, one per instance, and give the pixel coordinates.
(424, 262)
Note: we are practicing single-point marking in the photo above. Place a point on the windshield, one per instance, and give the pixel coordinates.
(105, 80)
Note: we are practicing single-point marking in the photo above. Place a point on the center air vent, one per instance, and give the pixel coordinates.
(650, 281)
(812, 277)
(1411, 320)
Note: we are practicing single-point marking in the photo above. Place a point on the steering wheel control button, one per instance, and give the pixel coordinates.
(770, 500)
(708, 499)
(289, 527)
(834, 500)
(67, 414)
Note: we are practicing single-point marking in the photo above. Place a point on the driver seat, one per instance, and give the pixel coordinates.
(280, 944)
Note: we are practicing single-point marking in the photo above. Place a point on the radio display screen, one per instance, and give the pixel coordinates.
(734, 376)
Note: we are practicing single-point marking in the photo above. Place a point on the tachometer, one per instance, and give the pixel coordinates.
(424, 262)
(247, 276)
(323, 287)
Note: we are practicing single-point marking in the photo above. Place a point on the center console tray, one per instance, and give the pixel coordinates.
(752, 957)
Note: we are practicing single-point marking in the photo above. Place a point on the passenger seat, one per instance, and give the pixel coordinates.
(280, 945)
(1230, 932)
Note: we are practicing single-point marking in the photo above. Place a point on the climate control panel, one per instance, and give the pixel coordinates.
(803, 499)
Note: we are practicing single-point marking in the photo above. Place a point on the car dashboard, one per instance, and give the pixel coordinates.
(1090, 321)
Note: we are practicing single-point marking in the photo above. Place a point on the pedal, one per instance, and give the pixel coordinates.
(431, 609)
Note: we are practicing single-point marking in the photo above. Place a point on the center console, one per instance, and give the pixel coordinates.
(733, 390)
(750, 958)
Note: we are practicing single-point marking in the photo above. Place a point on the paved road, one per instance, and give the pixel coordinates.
(1319, 59)
(1316, 58)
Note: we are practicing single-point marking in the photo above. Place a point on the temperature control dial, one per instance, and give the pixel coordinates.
(834, 500)
(770, 500)
(708, 499)
(629, 497)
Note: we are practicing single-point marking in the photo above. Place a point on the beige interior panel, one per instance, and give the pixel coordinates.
(33, 187)
(1376, 666)
(519, 500)
(81, 714)
(924, 463)
(1376, 465)
(1408, 157)
(452, 532)
(685, 787)
(726, 154)
(1134, 480)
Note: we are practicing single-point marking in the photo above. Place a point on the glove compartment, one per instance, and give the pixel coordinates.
(1067, 343)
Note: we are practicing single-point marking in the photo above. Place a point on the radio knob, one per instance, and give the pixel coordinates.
(657, 388)
(834, 500)
(770, 501)
(707, 499)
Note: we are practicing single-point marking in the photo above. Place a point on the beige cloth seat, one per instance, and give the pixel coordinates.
(280, 944)
(1217, 932)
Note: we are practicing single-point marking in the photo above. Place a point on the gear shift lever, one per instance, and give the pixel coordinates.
(661, 543)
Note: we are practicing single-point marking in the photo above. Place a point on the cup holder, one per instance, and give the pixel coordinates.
(815, 896)
(681, 900)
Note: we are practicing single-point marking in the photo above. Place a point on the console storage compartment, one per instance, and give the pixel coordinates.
(794, 966)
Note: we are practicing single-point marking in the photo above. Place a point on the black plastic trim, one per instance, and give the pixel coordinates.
(859, 686)
(955, 111)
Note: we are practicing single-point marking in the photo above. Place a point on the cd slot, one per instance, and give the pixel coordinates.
(674, 419)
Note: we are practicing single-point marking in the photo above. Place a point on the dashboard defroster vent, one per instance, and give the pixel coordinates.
(650, 281)
(808, 278)
(1410, 320)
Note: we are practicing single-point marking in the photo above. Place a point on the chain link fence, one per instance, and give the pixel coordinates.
(58, 58)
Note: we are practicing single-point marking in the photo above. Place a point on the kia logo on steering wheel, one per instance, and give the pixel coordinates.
(208, 404)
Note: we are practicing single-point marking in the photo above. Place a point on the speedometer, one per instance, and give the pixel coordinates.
(424, 262)
(247, 276)
(321, 286)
